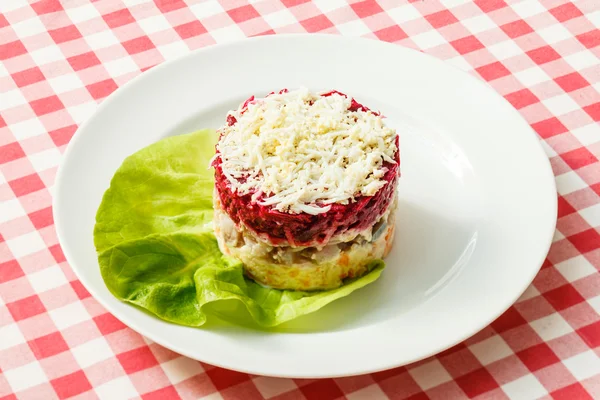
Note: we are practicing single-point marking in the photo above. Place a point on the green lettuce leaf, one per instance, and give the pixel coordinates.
(157, 250)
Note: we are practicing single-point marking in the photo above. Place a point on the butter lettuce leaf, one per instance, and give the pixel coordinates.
(156, 247)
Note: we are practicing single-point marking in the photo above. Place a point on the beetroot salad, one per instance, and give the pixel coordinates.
(302, 229)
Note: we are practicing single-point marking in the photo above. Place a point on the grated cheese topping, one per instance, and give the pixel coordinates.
(301, 152)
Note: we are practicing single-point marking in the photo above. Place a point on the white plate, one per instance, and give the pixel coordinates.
(476, 215)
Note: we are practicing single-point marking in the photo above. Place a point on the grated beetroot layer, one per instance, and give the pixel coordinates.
(305, 229)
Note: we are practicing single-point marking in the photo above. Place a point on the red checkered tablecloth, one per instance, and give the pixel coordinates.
(60, 59)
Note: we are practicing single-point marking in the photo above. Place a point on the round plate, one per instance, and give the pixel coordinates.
(476, 216)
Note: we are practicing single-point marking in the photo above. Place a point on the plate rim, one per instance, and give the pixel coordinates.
(134, 325)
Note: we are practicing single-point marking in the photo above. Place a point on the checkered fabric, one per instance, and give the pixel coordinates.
(60, 59)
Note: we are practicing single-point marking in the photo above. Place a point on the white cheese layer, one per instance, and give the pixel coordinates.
(301, 152)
